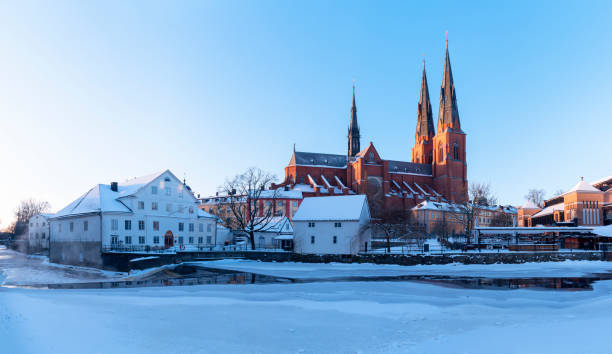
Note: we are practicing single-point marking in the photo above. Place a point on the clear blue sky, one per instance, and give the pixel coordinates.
(92, 92)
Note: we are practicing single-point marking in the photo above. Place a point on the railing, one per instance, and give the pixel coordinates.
(137, 249)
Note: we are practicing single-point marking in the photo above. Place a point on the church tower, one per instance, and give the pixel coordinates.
(449, 165)
(422, 152)
(353, 131)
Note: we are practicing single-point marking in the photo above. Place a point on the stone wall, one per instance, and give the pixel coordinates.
(121, 262)
(76, 253)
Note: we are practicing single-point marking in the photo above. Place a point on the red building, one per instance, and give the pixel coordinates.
(438, 170)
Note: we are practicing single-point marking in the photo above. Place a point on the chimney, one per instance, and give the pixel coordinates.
(233, 191)
(286, 188)
(114, 187)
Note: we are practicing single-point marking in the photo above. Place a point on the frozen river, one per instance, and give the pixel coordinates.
(311, 315)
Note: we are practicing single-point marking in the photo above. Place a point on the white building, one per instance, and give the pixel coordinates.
(278, 233)
(332, 225)
(38, 232)
(148, 214)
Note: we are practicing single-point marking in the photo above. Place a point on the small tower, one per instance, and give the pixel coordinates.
(449, 158)
(422, 152)
(353, 131)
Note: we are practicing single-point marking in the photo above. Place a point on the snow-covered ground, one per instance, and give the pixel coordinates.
(346, 317)
(19, 269)
(329, 317)
(340, 270)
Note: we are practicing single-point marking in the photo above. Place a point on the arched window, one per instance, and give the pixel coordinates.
(456, 151)
(371, 156)
(440, 153)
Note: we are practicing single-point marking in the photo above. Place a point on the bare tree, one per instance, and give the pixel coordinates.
(25, 210)
(244, 194)
(557, 193)
(393, 223)
(536, 196)
(479, 195)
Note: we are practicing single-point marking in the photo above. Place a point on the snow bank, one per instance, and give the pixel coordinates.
(333, 270)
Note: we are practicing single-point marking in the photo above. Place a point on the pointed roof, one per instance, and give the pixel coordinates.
(448, 113)
(354, 127)
(529, 205)
(583, 186)
(425, 125)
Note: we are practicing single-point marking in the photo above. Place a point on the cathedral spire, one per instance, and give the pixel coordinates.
(353, 131)
(425, 126)
(448, 115)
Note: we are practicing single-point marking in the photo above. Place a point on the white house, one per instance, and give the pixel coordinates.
(278, 233)
(153, 213)
(38, 232)
(332, 225)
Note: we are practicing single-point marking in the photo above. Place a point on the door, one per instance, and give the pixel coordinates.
(168, 239)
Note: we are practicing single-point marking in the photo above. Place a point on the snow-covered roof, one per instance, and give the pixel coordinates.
(603, 230)
(203, 214)
(101, 198)
(548, 210)
(440, 206)
(582, 186)
(278, 224)
(98, 199)
(344, 207)
(602, 180)
(529, 205)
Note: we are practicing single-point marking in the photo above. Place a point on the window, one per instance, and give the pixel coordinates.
(180, 240)
(181, 226)
(201, 227)
(295, 204)
(168, 191)
(128, 224)
(371, 156)
(141, 240)
(190, 210)
(141, 224)
(180, 193)
(200, 239)
(280, 203)
(337, 224)
(156, 225)
(440, 153)
(85, 225)
(128, 240)
(153, 189)
(191, 227)
(190, 239)
(71, 226)
(43, 235)
(140, 204)
(456, 151)
(335, 239)
(168, 207)
(209, 239)
(114, 240)
(311, 224)
(312, 239)
(209, 227)
(154, 206)
(156, 239)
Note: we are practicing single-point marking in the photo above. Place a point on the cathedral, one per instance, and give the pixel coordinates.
(437, 172)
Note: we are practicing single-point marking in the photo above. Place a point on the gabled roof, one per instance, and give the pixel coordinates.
(343, 208)
(278, 224)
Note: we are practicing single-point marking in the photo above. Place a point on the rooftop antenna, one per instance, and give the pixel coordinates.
(184, 178)
(293, 147)
(446, 37)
